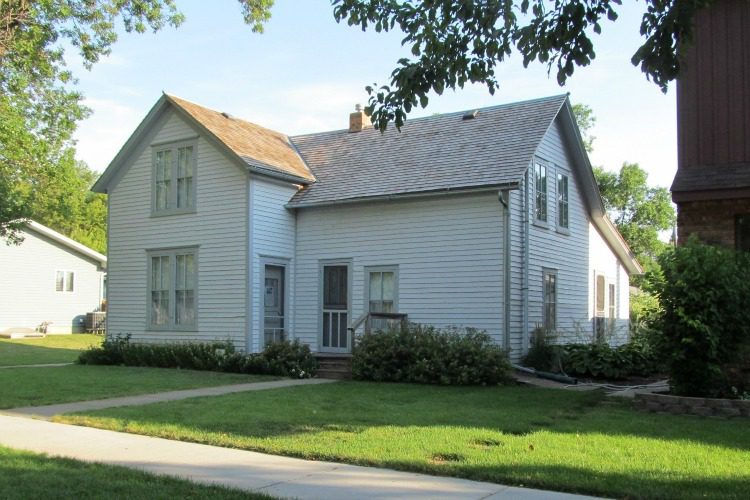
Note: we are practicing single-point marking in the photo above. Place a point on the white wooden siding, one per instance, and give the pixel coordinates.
(567, 251)
(27, 294)
(603, 261)
(448, 251)
(273, 235)
(218, 228)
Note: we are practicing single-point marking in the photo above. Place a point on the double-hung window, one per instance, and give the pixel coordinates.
(540, 192)
(173, 276)
(64, 281)
(550, 300)
(174, 179)
(562, 201)
(382, 293)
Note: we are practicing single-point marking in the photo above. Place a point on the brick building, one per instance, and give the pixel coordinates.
(712, 185)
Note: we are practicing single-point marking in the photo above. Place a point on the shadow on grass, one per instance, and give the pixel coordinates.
(355, 407)
(12, 354)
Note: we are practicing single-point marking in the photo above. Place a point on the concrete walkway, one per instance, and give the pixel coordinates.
(145, 399)
(274, 475)
(44, 365)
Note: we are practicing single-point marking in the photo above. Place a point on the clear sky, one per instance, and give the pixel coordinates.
(306, 73)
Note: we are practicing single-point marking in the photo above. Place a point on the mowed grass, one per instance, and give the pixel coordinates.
(50, 349)
(43, 386)
(26, 475)
(542, 438)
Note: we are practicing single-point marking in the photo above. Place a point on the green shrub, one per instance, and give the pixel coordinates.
(705, 293)
(543, 354)
(288, 359)
(427, 355)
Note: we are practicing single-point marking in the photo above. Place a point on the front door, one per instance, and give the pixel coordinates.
(273, 305)
(335, 334)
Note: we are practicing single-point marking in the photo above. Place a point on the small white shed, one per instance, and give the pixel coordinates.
(48, 282)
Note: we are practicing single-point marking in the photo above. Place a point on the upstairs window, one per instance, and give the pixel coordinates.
(174, 179)
(540, 192)
(64, 281)
(562, 201)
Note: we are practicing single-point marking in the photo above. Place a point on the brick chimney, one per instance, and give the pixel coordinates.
(358, 120)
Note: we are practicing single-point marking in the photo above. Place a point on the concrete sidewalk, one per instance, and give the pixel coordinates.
(274, 475)
(145, 399)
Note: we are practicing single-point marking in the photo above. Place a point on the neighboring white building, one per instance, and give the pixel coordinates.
(48, 279)
(221, 229)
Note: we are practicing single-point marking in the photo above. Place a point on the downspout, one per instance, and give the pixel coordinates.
(525, 264)
(504, 197)
(250, 240)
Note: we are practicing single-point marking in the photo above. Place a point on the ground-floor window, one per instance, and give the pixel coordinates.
(381, 291)
(742, 232)
(64, 281)
(274, 303)
(172, 288)
(550, 300)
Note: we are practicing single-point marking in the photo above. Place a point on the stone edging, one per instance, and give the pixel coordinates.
(681, 405)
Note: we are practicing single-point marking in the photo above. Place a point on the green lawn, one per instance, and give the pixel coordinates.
(26, 475)
(50, 349)
(543, 438)
(42, 386)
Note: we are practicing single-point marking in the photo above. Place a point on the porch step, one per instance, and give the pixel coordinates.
(335, 366)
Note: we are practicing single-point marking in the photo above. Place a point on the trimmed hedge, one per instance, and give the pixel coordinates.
(286, 359)
(427, 355)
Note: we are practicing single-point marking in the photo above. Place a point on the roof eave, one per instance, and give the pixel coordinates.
(406, 195)
(64, 240)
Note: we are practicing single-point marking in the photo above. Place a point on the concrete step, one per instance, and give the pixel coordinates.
(335, 374)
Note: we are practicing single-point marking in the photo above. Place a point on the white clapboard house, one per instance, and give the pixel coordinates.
(49, 283)
(222, 229)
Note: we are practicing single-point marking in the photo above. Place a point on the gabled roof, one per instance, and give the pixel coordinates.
(257, 146)
(65, 241)
(442, 152)
(260, 150)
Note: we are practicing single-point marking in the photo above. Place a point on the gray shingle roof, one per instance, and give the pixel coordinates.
(429, 154)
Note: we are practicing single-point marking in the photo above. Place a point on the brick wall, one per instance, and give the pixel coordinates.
(712, 221)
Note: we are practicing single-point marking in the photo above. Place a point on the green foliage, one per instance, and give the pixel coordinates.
(640, 212)
(543, 354)
(427, 355)
(39, 106)
(705, 292)
(454, 43)
(598, 360)
(288, 359)
(586, 120)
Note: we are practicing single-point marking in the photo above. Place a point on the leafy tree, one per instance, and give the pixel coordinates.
(39, 107)
(457, 42)
(586, 120)
(639, 211)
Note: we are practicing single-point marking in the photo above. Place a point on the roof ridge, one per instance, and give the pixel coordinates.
(449, 114)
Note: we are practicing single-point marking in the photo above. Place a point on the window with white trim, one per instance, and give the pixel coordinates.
(562, 201)
(550, 300)
(174, 179)
(540, 192)
(64, 281)
(172, 289)
(382, 292)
